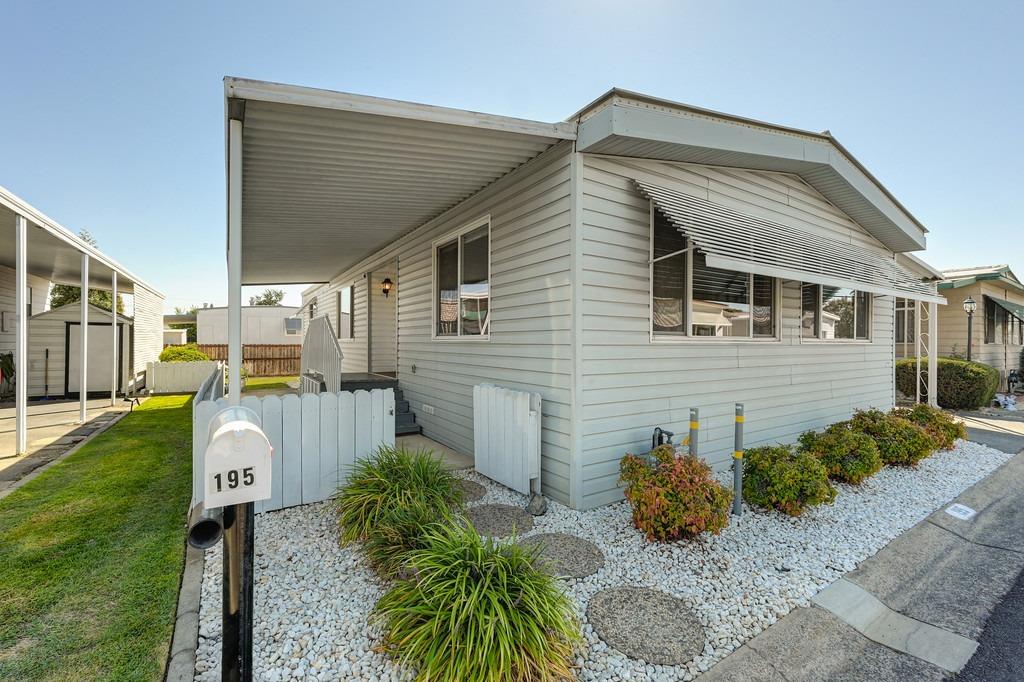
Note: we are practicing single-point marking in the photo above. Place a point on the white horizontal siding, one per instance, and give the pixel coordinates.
(530, 336)
(630, 385)
(40, 292)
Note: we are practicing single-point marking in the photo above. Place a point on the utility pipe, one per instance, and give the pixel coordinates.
(737, 464)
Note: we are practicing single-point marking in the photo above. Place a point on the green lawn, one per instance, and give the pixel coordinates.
(265, 383)
(91, 553)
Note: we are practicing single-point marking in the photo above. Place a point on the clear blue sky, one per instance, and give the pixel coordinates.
(111, 114)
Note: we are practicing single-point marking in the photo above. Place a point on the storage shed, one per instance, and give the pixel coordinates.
(54, 352)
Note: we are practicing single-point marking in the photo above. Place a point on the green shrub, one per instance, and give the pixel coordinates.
(675, 497)
(186, 353)
(392, 478)
(961, 385)
(900, 442)
(848, 456)
(399, 531)
(478, 610)
(778, 477)
(941, 426)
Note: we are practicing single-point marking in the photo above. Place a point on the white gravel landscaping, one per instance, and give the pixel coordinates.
(313, 598)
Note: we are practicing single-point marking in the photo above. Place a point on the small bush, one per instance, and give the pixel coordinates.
(848, 456)
(778, 477)
(941, 426)
(186, 353)
(393, 478)
(674, 498)
(961, 385)
(399, 531)
(478, 610)
(900, 442)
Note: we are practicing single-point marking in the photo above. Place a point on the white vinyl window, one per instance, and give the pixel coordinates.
(293, 326)
(462, 276)
(346, 328)
(691, 299)
(835, 313)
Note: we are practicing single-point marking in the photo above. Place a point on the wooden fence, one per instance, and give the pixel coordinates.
(262, 359)
(316, 439)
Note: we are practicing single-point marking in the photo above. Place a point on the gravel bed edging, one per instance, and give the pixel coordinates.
(181, 661)
(313, 597)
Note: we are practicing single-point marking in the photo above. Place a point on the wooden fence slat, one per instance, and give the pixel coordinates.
(363, 429)
(272, 426)
(262, 359)
(291, 475)
(346, 434)
(328, 444)
(310, 448)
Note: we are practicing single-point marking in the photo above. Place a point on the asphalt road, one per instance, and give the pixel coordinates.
(1000, 654)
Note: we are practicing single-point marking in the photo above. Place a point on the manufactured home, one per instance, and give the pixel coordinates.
(997, 327)
(261, 324)
(636, 260)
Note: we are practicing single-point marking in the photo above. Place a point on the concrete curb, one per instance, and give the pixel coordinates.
(181, 662)
(75, 448)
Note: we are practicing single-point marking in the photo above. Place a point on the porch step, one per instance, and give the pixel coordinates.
(405, 419)
(413, 430)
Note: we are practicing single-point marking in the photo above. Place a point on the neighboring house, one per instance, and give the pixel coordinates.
(261, 324)
(639, 259)
(998, 326)
(175, 337)
(54, 356)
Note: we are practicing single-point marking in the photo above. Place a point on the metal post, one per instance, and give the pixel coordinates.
(933, 354)
(234, 261)
(970, 334)
(83, 365)
(113, 325)
(237, 617)
(694, 428)
(737, 464)
(21, 335)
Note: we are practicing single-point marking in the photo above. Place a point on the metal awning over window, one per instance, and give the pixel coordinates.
(735, 241)
(1012, 308)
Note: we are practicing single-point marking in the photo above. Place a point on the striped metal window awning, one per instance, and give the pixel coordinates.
(732, 240)
(1010, 307)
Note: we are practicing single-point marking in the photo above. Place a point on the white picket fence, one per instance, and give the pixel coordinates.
(506, 436)
(316, 439)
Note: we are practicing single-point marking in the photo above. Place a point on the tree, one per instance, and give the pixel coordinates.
(63, 294)
(268, 297)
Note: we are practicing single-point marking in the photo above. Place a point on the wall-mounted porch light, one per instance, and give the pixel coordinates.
(385, 286)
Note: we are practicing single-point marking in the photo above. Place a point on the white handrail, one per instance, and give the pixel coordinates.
(321, 357)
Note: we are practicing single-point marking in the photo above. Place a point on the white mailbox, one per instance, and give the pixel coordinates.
(237, 461)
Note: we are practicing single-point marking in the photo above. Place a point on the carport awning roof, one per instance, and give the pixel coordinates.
(329, 178)
(55, 253)
(735, 241)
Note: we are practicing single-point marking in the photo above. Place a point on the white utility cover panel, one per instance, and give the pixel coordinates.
(237, 462)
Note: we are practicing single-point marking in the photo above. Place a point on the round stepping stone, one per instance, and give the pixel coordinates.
(646, 624)
(499, 520)
(566, 556)
(471, 490)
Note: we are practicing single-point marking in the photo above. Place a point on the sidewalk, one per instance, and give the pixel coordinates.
(915, 610)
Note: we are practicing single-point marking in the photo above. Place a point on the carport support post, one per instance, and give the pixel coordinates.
(113, 325)
(83, 366)
(239, 522)
(933, 354)
(21, 336)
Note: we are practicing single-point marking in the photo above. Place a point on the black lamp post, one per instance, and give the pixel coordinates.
(969, 307)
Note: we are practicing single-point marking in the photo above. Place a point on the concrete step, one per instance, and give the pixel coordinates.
(405, 418)
(408, 429)
(401, 406)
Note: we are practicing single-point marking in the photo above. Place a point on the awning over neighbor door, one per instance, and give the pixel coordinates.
(736, 241)
(1012, 308)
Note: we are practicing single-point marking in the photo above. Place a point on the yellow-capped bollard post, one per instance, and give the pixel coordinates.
(737, 464)
(694, 425)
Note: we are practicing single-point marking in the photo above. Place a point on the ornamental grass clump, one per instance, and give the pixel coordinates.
(478, 610)
(900, 442)
(940, 425)
(780, 478)
(399, 531)
(674, 496)
(847, 455)
(393, 478)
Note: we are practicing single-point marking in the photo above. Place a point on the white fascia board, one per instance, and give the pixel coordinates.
(280, 93)
(627, 121)
(37, 217)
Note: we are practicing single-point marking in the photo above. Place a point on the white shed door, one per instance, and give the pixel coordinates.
(101, 355)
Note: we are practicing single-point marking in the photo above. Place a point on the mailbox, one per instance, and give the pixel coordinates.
(237, 460)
